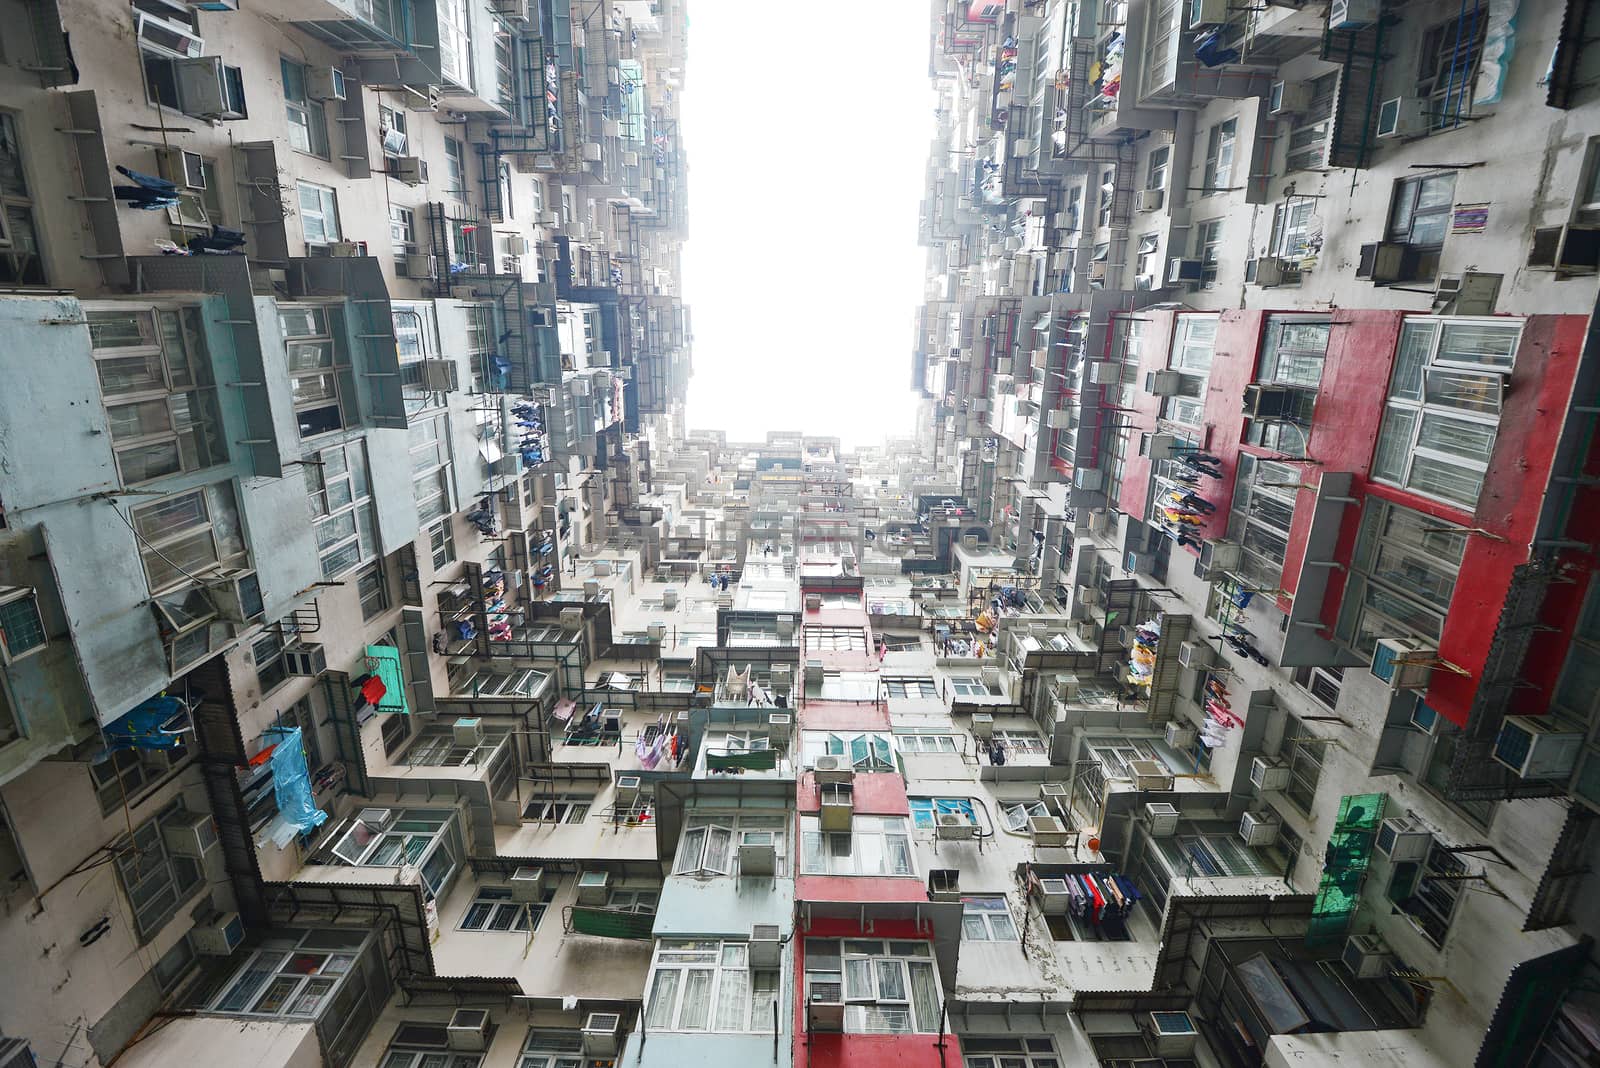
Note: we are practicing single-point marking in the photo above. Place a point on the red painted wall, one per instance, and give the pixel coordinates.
(1153, 352)
(860, 888)
(875, 793)
(844, 715)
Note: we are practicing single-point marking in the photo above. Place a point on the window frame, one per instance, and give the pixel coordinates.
(491, 904)
(329, 230)
(723, 959)
(1221, 146)
(992, 916)
(29, 630)
(23, 260)
(826, 852)
(343, 513)
(301, 112)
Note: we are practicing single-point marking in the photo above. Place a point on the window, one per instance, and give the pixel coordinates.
(21, 626)
(563, 809)
(403, 231)
(710, 844)
(1155, 175)
(1261, 517)
(1419, 216)
(1308, 136)
(548, 1049)
(197, 211)
(442, 543)
(319, 367)
(1291, 228)
(927, 743)
(427, 1045)
(1024, 741)
(158, 389)
(968, 686)
(925, 811)
(915, 686)
(1429, 892)
(1193, 344)
(836, 639)
(308, 124)
(294, 977)
(455, 42)
(1322, 683)
(1108, 197)
(865, 752)
(319, 214)
(1147, 265)
(887, 988)
(189, 534)
(1116, 755)
(1447, 69)
(1219, 157)
(1015, 815)
(1292, 353)
(625, 900)
(874, 845)
(427, 839)
(267, 652)
(339, 497)
(155, 881)
(1585, 206)
(392, 130)
(1402, 576)
(455, 169)
(987, 919)
(133, 774)
(436, 747)
(19, 262)
(536, 187)
(707, 985)
(373, 589)
(493, 910)
(430, 467)
(1010, 1052)
(1303, 753)
(1208, 250)
(508, 207)
(1443, 411)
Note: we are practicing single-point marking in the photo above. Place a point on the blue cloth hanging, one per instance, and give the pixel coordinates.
(291, 780)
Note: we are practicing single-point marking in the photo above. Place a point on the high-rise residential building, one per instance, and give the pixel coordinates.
(390, 676)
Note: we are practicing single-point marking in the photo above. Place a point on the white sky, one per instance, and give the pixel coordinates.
(807, 131)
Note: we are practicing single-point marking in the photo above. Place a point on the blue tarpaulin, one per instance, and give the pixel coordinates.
(291, 782)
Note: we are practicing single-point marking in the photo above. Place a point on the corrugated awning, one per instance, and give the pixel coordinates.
(610, 923)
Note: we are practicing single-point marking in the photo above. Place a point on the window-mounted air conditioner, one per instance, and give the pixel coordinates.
(1196, 656)
(1268, 400)
(1049, 832)
(571, 619)
(236, 593)
(194, 836)
(1402, 116)
(1207, 13)
(1150, 775)
(527, 885)
(468, 1030)
(1423, 717)
(766, 946)
(952, 826)
(944, 884)
(1101, 522)
(983, 726)
(1258, 829)
(1536, 748)
(758, 854)
(1105, 372)
(1401, 838)
(1571, 249)
(1404, 663)
(1221, 555)
(219, 936)
(824, 1005)
(1161, 446)
(837, 806)
(1266, 271)
(1054, 792)
(1149, 200)
(412, 170)
(209, 89)
(599, 1034)
(1184, 271)
(181, 167)
(1265, 775)
(1163, 818)
(627, 789)
(345, 249)
(594, 887)
(1174, 1034)
(1054, 896)
(1088, 479)
(1383, 262)
(467, 732)
(325, 83)
(168, 35)
(420, 265)
(1288, 98)
(439, 376)
(307, 660)
(1163, 383)
(1179, 735)
(516, 244)
(1352, 14)
(1367, 956)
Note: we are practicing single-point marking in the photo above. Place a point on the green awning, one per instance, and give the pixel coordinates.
(749, 760)
(384, 662)
(612, 923)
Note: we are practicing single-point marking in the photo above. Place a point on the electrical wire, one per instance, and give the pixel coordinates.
(146, 542)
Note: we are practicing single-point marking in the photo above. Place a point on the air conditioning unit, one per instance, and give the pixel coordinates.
(1367, 956)
(1022, 146)
(627, 789)
(1088, 479)
(1352, 14)
(439, 376)
(194, 836)
(1207, 13)
(599, 1034)
(468, 1030)
(170, 35)
(591, 589)
(1101, 522)
(411, 170)
(1173, 1034)
(1266, 775)
(944, 884)
(1196, 656)
(779, 719)
(209, 89)
(236, 593)
(1054, 896)
(825, 1006)
(467, 732)
(1049, 832)
(1179, 735)
(376, 818)
(527, 885)
(1389, 663)
(952, 826)
(1571, 249)
(1288, 98)
(571, 619)
(1258, 829)
(1161, 446)
(344, 249)
(1221, 555)
(765, 948)
(1402, 116)
(1105, 372)
(1534, 748)
(1163, 383)
(757, 857)
(181, 167)
(1266, 271)
(838, 806)
(983, 726)
(782, 677)
(594, 887)
(1383, 262)
(420, 265)
(813, 602)
(591, 152)
(1401, 838)
(1163, 818)
(1266, 400)
(1150, 775)
(1149, 199)
(1423, 717)
(1184, 271)
(325, 83)
(516, 244)
(219, 936)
